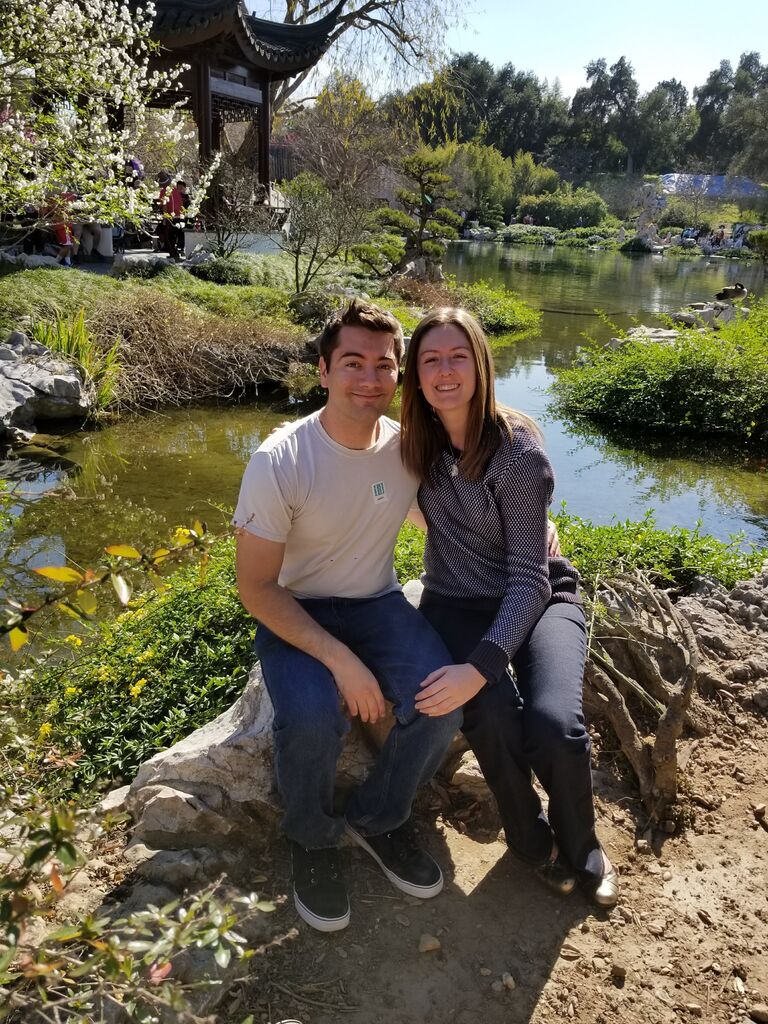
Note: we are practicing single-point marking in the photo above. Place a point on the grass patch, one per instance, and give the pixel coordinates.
(710, 383)
(499, 311)
(71, 338)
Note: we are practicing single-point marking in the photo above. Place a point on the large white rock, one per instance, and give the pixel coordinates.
(217, 785)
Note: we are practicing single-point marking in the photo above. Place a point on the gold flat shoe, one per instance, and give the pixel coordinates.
(606, 892)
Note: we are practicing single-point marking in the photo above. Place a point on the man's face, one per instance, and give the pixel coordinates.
(362, 375)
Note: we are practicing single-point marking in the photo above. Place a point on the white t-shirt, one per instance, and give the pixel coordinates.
(337, 510)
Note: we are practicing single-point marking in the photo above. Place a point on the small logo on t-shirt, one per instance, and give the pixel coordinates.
(379, 491)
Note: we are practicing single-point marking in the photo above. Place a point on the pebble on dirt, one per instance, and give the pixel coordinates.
(429, 943)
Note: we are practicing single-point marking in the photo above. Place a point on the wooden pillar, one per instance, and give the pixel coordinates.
(203, 108)
(265, 131)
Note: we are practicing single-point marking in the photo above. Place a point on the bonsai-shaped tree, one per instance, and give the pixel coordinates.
(426, 221)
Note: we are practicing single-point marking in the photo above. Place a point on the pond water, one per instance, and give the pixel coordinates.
(602, 474)
(136, 479)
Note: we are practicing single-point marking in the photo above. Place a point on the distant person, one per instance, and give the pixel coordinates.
(59, 210)
(171, 205)
(186, 198)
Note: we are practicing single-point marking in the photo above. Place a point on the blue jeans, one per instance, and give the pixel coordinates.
(400, 648)
(534, 721)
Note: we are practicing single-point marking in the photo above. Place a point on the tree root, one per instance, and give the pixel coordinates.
(643, 663)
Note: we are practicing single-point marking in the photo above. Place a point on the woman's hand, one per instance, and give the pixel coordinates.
(447, 688)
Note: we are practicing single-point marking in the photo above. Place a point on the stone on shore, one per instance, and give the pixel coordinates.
(37, 385)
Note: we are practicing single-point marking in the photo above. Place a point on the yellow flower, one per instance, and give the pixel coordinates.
(70, 691)
(75, 641)
(181, 536)
(146, 656)
(44, 732)
(137, 687)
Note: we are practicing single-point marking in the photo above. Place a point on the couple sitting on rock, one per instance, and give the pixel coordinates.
(496, 648)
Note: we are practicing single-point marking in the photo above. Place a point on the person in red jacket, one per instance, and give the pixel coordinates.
(170, 230)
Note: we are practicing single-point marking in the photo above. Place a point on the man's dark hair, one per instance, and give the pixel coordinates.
(359, 313)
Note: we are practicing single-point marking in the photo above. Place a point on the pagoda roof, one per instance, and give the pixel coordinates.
(281, 48)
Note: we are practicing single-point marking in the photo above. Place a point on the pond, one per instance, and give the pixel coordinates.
(135, 480)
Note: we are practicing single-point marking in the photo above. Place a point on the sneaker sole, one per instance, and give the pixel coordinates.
(321, 924)
(422, 892)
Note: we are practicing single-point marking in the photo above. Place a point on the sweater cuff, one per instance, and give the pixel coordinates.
(490, 660)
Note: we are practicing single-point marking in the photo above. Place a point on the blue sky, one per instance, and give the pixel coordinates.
(555, 39)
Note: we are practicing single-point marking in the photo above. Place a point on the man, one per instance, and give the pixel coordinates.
(320, 507)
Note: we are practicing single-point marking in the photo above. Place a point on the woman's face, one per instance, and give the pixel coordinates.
(446, 368)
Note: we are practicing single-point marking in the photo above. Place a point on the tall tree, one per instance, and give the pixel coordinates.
(709, 145)
(665, 126)
(386, 37)
(522, 112)
(605, 112)
(746, 119)
(343, 137)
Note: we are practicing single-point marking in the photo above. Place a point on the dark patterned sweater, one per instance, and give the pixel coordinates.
(487, 545)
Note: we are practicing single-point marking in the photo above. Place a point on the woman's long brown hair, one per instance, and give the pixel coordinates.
(422, 435)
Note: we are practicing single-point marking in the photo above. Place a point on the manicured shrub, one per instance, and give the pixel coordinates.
(710, 383)
(527, 234)
(564, 209)
(227, 270)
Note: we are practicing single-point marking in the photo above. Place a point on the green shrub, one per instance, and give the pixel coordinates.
(526, 234)
(147, 269)
(499, 311)
(710, 383)
(564, 209)
(312, 308)
(675, 556)
(150, 677)
(681, 211)
(758, 240)
(636, 244)
(180, 658)
(227, 270)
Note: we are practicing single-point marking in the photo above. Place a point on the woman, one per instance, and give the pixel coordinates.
(500, 603)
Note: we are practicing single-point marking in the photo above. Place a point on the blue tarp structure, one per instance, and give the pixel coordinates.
(715, 185)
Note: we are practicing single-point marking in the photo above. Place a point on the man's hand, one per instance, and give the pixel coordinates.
(359, 689)
(553, 540)
(448, 688)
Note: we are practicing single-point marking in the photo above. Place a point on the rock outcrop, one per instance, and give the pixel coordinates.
(214, 786)
(37, 385)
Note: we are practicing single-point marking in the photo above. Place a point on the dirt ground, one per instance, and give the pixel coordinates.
(688, 939)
